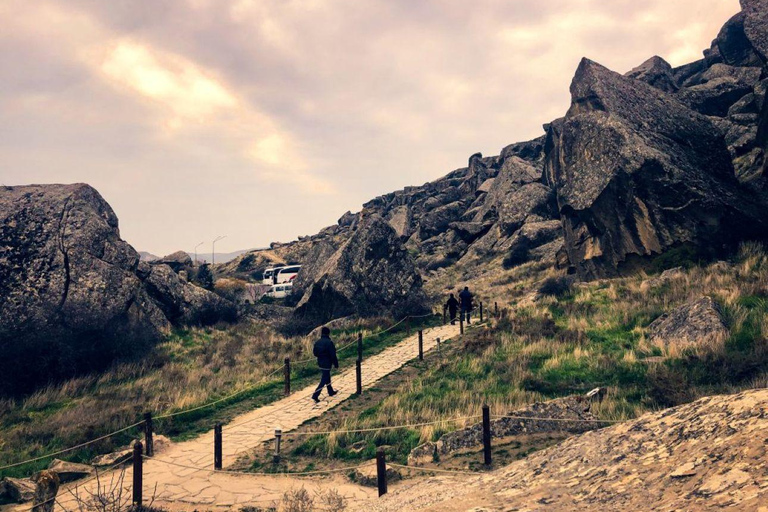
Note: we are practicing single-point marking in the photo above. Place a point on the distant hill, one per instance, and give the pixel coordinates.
(221, 257)
(147, 256)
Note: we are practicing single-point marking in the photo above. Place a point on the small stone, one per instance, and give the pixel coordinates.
(686, 470)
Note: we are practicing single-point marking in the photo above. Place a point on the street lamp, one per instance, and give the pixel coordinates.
(198, 245)
(213, 248)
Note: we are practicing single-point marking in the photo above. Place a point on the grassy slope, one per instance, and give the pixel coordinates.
(191, 368)
(585, 336)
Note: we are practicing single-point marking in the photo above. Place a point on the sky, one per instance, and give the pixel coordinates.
(263, 120)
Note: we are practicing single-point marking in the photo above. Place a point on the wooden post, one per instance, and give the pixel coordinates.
(138, 480)
(408, 325)
(481, 312)
(487, 435)
(381, 471)
(496, 309)
(360, 346)
(461, 323)
(278, 436)
(217, 446)
(148, 434)
(46, 487)
(359, 376)
(421, 345)
(287, 376)
(439, 354)
(444, 316)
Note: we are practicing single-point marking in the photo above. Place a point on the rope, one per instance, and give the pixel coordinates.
(575, 420)
(377, 429)
(262, 473)
(455, 471)
(81, 445)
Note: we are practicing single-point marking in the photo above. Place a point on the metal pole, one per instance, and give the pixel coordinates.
(148, 434)
(217, 442)
(421, 345)
(287, 376)
(213, 249)
(381, 471)
(138, 460)
(194, 264)
(359, 376)
(487, 435)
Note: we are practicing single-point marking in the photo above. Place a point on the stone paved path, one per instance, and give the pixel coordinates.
(179, 487)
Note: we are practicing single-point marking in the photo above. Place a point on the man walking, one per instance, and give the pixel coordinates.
(453, 306)
(465, 299)
(325, 352)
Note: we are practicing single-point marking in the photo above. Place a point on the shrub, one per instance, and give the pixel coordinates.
(556, 286)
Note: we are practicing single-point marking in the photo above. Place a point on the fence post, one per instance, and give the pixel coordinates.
(46, 487)
(481, 312)
(444, 316)
(421, 345)
(461, 323)
(150, 445)
(408, 325)
(138, 480)
(217, 441)
(439, 354)
(360, 346)
(287, 375)
(487, 435)
(359, 376)
(278, 437)
(381, 471)
(496, 309)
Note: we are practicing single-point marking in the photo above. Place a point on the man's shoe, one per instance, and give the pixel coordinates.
(331, 392)
(316, 399)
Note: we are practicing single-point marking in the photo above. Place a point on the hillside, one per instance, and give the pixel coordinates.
(710, 454)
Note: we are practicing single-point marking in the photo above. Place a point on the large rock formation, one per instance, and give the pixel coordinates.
(697, 323)
(637, 173)
(372, 273)
(72, 296)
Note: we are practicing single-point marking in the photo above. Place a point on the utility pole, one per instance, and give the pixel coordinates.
(213, 249)
(194, 264)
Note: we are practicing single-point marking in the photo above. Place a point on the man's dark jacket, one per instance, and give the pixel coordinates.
(452, 304)
(466, 300)
(325, 352)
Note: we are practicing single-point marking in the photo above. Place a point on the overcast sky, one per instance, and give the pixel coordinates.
(263, 120)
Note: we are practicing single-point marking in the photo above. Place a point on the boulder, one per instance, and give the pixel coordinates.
(367, 475)
(70, 297)
(697, 323)
(370, 274)
(756, 25)
(69, 471)
(46, 488)
(657, 73)
(111, 459)
(636, 173)
(665, 277)
(16, 490)
(186, 303)
(178, 260)
(714, 91)
(734, 45)
(400, 220)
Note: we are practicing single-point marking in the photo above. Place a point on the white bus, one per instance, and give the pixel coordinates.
(269, 275)
(287, 274)
(280, 291)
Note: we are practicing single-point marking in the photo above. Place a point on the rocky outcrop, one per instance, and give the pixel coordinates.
(657, 73)
(73, 295)
(69, 471)
(178, 260)
(16, 490)
(372, 273)
(637, 173)
(185, 303)
(570, 415)
(698, 323)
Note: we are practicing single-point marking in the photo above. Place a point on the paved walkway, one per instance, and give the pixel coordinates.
(172, 478)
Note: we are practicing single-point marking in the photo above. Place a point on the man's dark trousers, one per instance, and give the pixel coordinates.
(325, 380)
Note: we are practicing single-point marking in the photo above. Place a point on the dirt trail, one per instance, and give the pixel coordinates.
(171, 476)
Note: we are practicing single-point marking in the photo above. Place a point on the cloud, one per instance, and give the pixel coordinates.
(266, 119)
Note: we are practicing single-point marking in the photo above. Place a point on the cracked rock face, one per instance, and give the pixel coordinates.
(636, 173)
(372, 273)
(697, 323)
